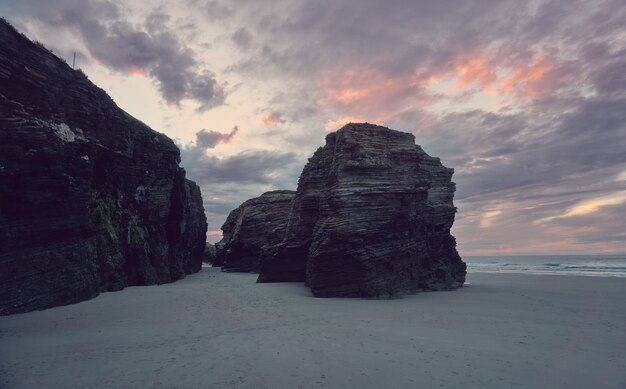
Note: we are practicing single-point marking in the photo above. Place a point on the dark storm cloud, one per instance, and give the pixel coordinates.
(209, 139)
(256, 167)
(560, 141)
(393, 35)
(495, 153)
(513, 163)
(311, 39)
(226, 182)
(394, 38)
(151, 48)
(220, 199)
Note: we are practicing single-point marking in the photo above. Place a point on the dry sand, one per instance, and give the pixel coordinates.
(218, 330)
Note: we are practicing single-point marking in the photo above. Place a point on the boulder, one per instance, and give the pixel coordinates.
(371, 218)
(256, 223)
(91, 199)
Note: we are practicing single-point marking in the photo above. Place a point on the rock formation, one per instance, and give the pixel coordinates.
(257, 222)
(91, 199)
(371, 218)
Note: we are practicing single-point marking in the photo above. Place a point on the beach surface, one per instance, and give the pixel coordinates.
(222, 330)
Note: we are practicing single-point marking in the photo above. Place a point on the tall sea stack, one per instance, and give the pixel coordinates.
(91, 199)
(371, 218)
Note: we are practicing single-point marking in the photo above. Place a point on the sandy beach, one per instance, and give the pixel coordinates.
(221, 330)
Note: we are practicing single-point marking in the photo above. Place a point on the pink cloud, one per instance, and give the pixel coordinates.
(528, 80)
(475, 70)
(368, 94)
(272, 117)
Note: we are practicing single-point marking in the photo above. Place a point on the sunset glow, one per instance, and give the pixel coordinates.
(488, 218)
(590, 206)
(271, 118)
(313, 194)
(524, 101)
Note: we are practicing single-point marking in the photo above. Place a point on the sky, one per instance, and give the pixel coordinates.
(526, 100)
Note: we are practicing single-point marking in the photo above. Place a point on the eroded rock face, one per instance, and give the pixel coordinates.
(91, 199)
(371, 218)
(256, 223)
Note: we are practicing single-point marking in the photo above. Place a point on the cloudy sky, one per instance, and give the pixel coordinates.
(525, 99)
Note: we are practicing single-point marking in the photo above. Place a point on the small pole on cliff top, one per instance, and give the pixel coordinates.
(74, 61)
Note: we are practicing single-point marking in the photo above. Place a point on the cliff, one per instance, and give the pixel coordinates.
(91, 199)
(371, 218)
(256, 223)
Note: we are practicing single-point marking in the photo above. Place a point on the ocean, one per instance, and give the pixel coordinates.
(576, 265)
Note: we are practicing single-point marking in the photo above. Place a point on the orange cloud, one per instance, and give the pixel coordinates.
(375, 96)
(348, 95)
(424, 77)
(136, 72)
(366, 94)
(488, 218)
(476, 70)
(527, 81)
(589, 206)
(348, 86)
(271, 118)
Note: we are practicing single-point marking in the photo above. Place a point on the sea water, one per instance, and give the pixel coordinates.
(579, 265)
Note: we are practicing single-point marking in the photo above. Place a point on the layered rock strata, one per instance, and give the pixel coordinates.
(91, 199)
(371, 218)
(256, 223)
